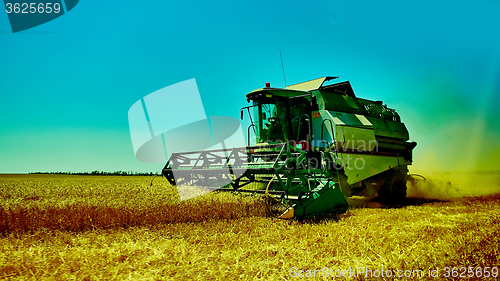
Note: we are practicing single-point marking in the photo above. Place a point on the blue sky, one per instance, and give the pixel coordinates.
(66, 86)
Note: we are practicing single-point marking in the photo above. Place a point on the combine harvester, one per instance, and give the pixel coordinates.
(315, 146)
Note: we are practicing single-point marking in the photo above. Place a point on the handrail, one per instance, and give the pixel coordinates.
(333, 133)
(248, 133)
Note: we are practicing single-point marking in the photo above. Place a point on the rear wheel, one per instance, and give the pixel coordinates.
(394, 189)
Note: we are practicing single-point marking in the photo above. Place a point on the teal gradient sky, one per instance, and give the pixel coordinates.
(66, 86)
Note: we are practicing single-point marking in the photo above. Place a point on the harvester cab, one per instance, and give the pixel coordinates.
(314, 146)
(281, 115)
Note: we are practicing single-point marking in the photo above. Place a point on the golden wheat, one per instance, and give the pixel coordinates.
(81, 203)
(422, 235)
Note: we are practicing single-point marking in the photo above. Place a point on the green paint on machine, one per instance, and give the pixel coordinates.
(316, 146)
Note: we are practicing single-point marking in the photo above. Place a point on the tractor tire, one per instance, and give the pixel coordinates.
(393, 191)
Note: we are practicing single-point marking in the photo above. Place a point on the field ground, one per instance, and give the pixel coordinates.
(116, 228)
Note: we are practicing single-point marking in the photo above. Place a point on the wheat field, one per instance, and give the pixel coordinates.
(59, 227)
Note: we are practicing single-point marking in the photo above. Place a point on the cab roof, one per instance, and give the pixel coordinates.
(304, 88)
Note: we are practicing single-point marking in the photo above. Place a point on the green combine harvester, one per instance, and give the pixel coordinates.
(315, 146)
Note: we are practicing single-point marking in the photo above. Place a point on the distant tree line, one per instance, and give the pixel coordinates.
(98, 173)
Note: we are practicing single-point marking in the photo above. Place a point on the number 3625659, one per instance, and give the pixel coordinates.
(33, 8)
